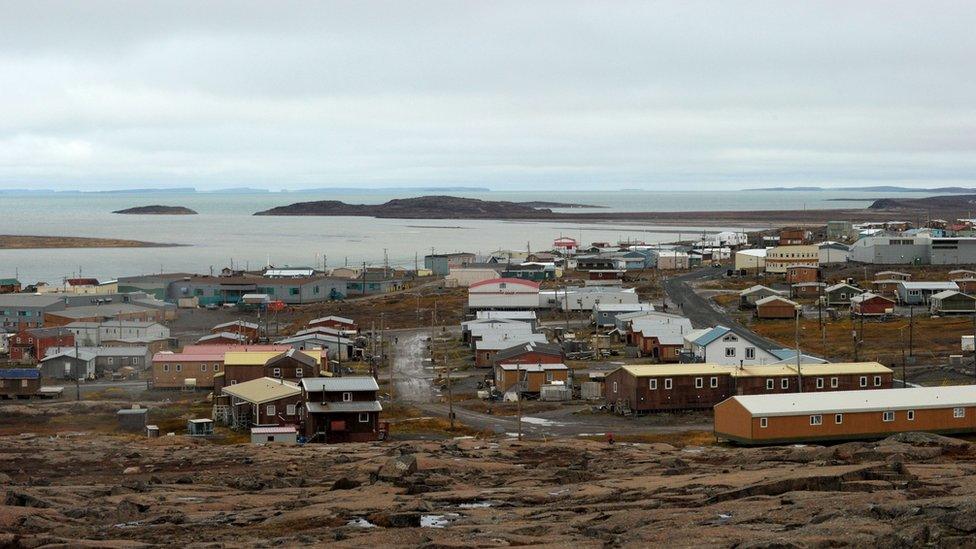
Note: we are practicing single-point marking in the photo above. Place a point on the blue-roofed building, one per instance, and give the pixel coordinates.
(19, 382)
(725, 346)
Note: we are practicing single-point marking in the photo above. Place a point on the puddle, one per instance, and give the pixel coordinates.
(540, 421)
(437, 521)
(360, 522)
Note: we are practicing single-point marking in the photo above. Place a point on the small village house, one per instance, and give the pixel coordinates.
(816, 417)
(340, 323)
(529, 377)
(605, 314)
(293, 365)
(750, 260)
(274, 435)
(250, 331)
(133, 419)
(667, 260)
(793, 236)
(32, 344)
(19, 382)
(919, 293)
(337, 347)
(504, 293)
(263, 401)
(871, 304)
(886, 287)
(198, 363)
(752, 294)
(840, 294)
(340, 409)
(566, 245)
(952, 302)
(797, 274)
(69, 364)
(807, 290)
(109, 360)
(9, 286)
(966, 285)
(659, 337)
(529, 317)
(223, 338)
(531, 352)
(776, 307)
(487, 348)
(892, 275)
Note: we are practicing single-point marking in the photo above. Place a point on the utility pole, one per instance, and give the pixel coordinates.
(911, 331)
(450, 393)
(799, 374)
(854, 336)
(974, 343)
(518, 397)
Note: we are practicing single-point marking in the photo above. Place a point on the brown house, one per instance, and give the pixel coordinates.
(966, 285)
(19, 382)
(340, 409)
(531, 353)
(644, 388)
(661, 345)
(30, 345)
(249, 331)
(335, 322)
(263, 402)
(812, 417)
(776, 307)
(887, 287)
(797, 274)
(200, 363)
(532, 376)
(292, 365)
(793, 237)
(807, 290)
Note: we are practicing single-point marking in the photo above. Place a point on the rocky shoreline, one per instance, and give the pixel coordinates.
(33, 242)
(156, 209)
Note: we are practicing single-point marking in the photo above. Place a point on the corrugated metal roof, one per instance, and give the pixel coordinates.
(654, 370)
(337, 384)
(787, 404)
(533, 367)
(711, 335)
(354, 406)
(928, 285)
(273, 430)
(773, 298)
(261, 390)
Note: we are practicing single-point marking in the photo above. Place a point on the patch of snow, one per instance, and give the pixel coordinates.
(540, 421)
(360, 522)
(437, 521)
(475, 505)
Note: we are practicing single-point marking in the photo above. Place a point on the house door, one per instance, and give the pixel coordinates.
(655, 352)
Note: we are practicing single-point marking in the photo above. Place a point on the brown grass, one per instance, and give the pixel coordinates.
(934, 338)
(399, 310)
(678, 439)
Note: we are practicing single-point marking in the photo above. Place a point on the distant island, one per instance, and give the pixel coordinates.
(876, 189)
(156, 209)
(426, 207)
(940, 203)
(32, 242)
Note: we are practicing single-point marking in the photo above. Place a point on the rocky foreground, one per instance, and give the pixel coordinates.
(106, 490)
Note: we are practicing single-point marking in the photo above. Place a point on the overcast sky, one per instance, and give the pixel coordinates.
(519, 95)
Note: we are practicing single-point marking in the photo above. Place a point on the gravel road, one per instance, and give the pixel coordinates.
(412, 379)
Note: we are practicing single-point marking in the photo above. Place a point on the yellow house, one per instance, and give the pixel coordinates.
(781, 257)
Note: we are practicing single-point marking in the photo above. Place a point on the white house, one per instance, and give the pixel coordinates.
(503, 293)
(721, 345)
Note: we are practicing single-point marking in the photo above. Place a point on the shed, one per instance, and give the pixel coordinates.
(200, 427)
(840, 294)
(752, 294)
(274, 435)
(133, 419)
(951, 301)
(871, 304)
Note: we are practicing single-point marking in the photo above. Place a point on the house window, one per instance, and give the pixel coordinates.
(770, 384)
(877, 381)
(838, 418)
(833, 383)
(652, 385)
(750, 353)
(958, 413)
(888, 416)
(816, 420)
(165, 367)
(276, 372)
(910, 415)
(179, 367)
(363, 417)
(270, 410)
(290, 410)
(730, 352)
(667, 383)
(203, 367)
(293, 291)
(820, 383)
(763, 422)
(299, 372)
(784, 383)
(110, 361)
(615, 387)
(347, 397)
(713, 383)
(549, 376)
(216, 367)
(23, 383)
(699, 383)
(864, 381)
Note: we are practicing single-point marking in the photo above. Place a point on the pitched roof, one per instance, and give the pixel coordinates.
(333, 318)
(517, 281)
(788, 404)
(236, 323)
(758, 288)
(841, 285)
(711, 335)
(950, 293)
(928, 285)
(335, 384)
(532, 367)
(773, 298)
(263, 389)
(868, 296)
(224, 335)
(498, 343)
(528, 347)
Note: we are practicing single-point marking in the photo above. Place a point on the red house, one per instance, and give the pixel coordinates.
(531, 353)
(31, 344)
(606, 274)
(250, 330)
(869, 304)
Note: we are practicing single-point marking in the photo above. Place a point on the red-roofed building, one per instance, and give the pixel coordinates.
(31, 344)
(198, 362)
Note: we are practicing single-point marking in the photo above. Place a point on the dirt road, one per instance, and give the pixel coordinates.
(411, 378)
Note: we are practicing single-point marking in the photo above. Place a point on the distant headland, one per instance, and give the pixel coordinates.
(156, 209)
